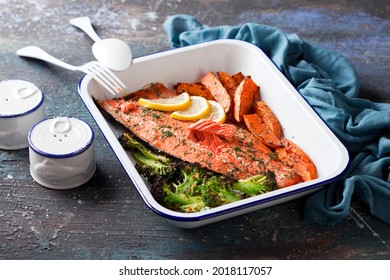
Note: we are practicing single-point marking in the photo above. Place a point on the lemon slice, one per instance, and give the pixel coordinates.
(217, 113)
(178, 102)
(199, 108)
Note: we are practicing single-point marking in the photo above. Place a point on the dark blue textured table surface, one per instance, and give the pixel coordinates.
(106, 218)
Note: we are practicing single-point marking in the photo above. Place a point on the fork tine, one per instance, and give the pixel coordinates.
(95, 75)
(99, 73)
(112, 75)
(107, 76)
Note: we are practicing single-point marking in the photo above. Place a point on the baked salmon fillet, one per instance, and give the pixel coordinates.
(223, 148)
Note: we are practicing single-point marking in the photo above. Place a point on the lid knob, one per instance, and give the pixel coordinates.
(60, 125)
(24, 91)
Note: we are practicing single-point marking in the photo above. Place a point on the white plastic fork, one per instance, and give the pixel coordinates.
(96, 70)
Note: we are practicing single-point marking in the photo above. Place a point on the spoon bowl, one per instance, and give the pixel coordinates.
(111, 52)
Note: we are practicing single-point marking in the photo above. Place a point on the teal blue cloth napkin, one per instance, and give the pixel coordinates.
(330, 85)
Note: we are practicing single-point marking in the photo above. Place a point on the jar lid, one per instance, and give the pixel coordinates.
(18, 97)
(60, 137)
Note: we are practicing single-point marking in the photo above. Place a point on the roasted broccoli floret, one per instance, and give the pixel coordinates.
(217, 191)
(187, 187)
(149, 164)
(199, 189)
(180, 202)
(186, 194)
(129, 142)
(257, 184)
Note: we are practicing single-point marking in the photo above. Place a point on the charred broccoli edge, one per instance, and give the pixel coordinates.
(187, 187)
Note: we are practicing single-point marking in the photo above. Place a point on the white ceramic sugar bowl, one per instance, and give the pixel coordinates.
(21, 106)
(61, 152)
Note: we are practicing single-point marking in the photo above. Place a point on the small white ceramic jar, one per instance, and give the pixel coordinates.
(21, 106)
(61, 152)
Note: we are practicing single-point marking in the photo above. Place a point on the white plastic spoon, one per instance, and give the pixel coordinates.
(111, 52)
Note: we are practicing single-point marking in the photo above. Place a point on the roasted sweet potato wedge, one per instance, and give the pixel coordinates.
(244, 97)
(238, 77)
(296, 158)
(196, 89)
(228, 82)
(269, 118)
(258, 128)
(214, 85)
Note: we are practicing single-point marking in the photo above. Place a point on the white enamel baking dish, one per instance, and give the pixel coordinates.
(188, 64)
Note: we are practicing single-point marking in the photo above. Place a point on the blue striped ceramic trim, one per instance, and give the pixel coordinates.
(26, 112)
